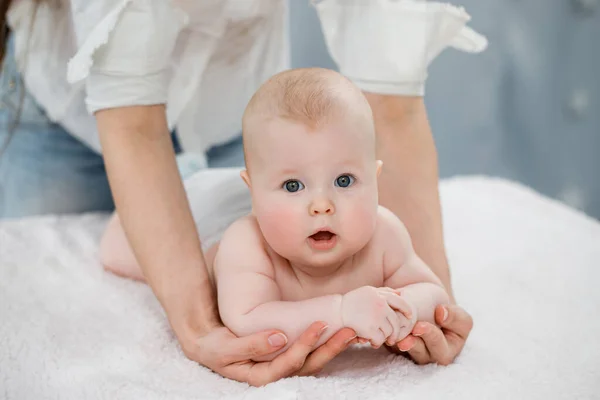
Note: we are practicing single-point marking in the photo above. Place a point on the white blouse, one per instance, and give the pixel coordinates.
(203, 58)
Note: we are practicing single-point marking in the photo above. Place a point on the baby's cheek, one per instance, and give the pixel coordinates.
(359, 221)
(281, 225)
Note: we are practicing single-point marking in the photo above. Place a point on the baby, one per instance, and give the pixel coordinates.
(316, 245)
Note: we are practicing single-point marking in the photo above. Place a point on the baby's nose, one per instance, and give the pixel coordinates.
(321, 207)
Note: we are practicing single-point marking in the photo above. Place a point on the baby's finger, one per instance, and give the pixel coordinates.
(395, 323)
(386, 326)
(377, 338)
(399, 304)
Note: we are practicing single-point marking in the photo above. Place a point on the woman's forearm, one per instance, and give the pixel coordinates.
(155, 213)
(409, 177)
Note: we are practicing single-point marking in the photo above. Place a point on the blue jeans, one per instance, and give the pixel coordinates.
(45, 170)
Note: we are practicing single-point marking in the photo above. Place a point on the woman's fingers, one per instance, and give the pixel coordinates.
(435, 343)
(254, 346)
(288, 362)
(317, 360)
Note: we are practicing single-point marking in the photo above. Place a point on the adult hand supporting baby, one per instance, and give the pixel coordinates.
(430, 344)
(230, 356)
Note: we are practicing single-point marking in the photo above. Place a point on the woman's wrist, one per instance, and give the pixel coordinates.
(190, 303)
(191, 317)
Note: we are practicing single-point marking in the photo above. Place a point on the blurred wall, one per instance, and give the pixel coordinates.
(527, 109)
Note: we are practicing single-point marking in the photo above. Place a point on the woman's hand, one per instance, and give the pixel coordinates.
(430, 344)
(230, 356)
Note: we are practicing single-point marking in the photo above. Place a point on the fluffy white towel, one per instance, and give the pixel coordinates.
(526, 268)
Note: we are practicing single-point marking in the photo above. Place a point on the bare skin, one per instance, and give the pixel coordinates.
(130, 133)
(248, 303)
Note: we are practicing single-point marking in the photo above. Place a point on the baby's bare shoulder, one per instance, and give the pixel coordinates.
(246, 227)
(394, 240)
(384, 236)
(391, 234)
(242, 245)
(389, 225)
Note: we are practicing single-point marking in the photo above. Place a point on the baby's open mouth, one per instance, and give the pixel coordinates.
(322, 235)
(322, 240)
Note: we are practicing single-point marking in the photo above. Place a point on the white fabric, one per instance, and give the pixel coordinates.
(205, 59)
(133, 70)
(43, 45)
(209, 211)
(385, 46)
(523, 265)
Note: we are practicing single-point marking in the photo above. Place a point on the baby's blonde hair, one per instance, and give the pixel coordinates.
(310, 96)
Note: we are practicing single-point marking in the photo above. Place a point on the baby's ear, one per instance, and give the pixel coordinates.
(379, 164)
(246, 178)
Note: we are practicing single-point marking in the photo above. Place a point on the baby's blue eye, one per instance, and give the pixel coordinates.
(344, 181)
(293, 185)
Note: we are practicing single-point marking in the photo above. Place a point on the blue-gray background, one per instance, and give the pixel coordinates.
(527, 109)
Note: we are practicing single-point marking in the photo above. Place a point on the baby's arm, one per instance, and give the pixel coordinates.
(406, 271)
(249, 298)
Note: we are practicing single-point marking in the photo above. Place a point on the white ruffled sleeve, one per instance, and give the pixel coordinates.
(124, 50)
(386, 46)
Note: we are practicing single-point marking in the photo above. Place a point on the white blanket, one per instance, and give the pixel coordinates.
(524, 266)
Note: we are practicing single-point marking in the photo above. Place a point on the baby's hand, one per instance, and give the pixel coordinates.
(371, 313)
(407, 318)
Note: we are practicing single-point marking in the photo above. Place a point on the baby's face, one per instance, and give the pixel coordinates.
(314, 192)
